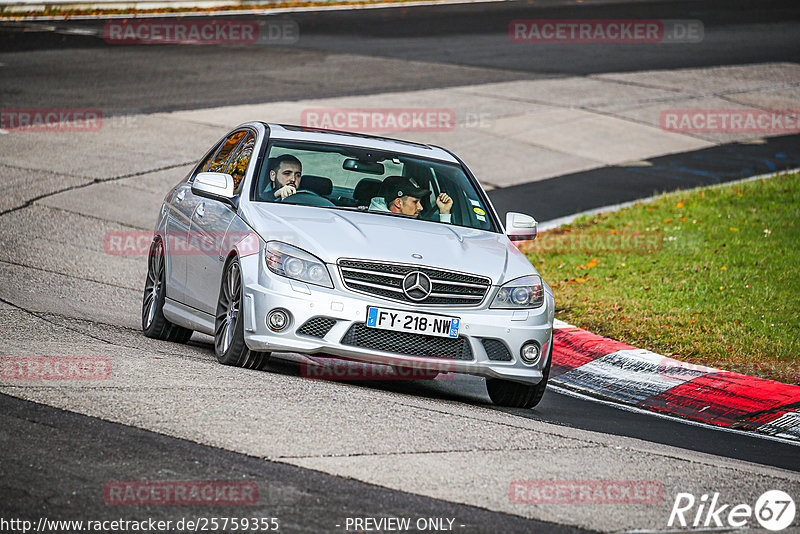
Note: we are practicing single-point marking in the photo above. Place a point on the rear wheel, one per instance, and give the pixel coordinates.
(154, 324)
(229, 345)
(517, 395)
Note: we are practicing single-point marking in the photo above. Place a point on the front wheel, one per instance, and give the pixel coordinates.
(517, 395)
(154, 324)
(229, 345)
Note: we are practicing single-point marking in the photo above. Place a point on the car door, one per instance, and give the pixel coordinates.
(182, 204)
(209, 224)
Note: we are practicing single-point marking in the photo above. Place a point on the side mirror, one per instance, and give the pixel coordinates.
(521, 227)
(216, 185)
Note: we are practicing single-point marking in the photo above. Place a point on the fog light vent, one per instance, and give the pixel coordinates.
(496, 350)
(317, 327)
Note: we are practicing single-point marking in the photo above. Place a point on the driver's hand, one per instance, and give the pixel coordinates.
(285, 191)
(444, 203)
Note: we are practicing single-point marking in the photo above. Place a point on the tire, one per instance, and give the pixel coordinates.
(517, 395)
(229, 345)
(154, 324)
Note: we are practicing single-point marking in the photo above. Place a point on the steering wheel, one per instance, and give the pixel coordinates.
(307, 197)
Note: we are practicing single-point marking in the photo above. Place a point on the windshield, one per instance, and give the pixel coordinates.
(354, 178)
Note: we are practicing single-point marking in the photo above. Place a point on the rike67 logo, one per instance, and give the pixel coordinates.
(774, 510)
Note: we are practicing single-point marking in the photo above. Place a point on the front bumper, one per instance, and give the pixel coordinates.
(265, 291)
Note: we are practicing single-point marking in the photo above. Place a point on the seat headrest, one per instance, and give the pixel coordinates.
(318, 184)
(366, 189)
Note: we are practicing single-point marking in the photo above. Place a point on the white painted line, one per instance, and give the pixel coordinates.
(555, 223)
(228, 13)
(782, 425)
(561, 325)
(81, 31)
(635, 409)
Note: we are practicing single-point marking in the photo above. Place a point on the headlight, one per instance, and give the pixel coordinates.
(525, 292)
(297, 264)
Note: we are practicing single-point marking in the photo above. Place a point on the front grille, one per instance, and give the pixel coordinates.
(316, 327)
(386, 279)
(496, 350)
(408, 344)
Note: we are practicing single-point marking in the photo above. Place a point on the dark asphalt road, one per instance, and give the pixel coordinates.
(606, 186)
(371, 51)
(566, 410)
(55, 464)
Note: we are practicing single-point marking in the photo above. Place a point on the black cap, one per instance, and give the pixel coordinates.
(401, 186)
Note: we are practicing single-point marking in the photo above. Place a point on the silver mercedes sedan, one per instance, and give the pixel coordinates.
(286, 239)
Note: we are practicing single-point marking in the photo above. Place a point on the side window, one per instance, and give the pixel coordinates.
(240, 160)
(204, 164)
(217, 164)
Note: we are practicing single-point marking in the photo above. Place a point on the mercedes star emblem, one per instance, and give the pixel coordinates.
(417, 286)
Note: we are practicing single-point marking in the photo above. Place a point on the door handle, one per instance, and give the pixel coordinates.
(180, 195)
(201, 210)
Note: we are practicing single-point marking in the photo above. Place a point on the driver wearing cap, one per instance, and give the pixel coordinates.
(402, 194)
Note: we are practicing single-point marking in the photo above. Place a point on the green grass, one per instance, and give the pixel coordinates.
(707, 276)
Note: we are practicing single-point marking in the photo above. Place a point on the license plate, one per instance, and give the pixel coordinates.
(416, 323)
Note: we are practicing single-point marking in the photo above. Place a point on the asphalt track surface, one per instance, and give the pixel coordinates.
(367, 52)
(616, 184)
(85, 453)
(372, 51)
(564, 409)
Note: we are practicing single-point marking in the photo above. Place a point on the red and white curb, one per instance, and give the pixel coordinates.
(608, 369)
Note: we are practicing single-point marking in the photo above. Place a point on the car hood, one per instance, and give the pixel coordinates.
(332, 234)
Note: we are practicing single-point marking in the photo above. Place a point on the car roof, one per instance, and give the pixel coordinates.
(301, 133)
